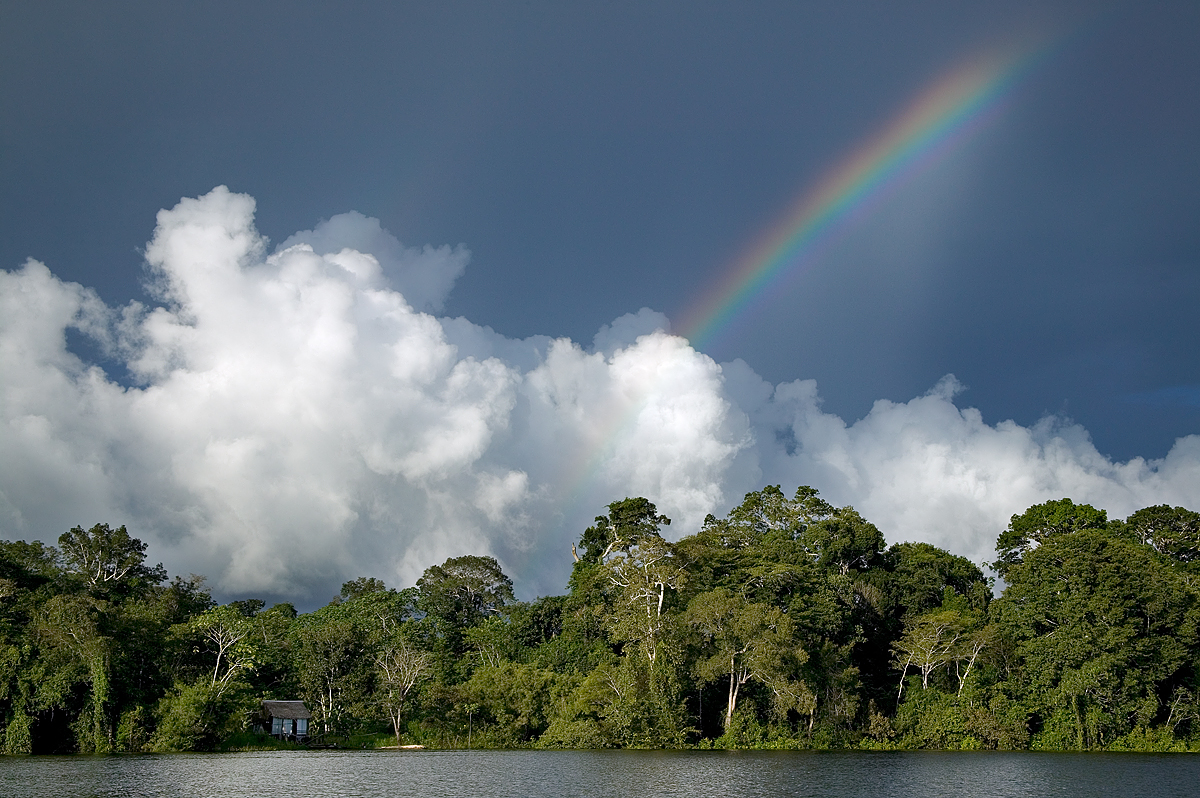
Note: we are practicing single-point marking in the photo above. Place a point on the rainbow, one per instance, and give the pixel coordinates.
(946, 114)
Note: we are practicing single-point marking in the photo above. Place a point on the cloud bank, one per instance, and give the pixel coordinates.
(296, 418)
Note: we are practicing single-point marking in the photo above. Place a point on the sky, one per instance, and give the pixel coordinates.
(302, 291)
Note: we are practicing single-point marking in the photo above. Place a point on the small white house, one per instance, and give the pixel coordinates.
(287, 720)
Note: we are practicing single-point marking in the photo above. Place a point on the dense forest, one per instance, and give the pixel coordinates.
(787, 624)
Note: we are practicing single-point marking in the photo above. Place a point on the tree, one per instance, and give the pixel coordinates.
(363, 586)
(971, 646)
(330, 645)
(74, 651)
(843, 541)
(756, 544)
(770, 512)
(1038, 524)
(642, 574)
(493, 641)
(1104, 629)
(626, 570)
(811, 561)
(751, 641)
(400, 665)
(628, 522)
(26, 566)
(1171, 531)
(511, 703)
(229, 631)
(271, 633)
(463, 591)
(108, 560)
(919, 575)
(379, 609)
(929, 642)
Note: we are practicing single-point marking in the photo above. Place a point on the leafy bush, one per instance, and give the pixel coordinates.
(197, 717)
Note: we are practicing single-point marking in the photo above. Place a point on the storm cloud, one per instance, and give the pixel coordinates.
(283, 420)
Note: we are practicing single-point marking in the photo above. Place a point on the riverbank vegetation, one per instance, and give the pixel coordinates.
(787, 624)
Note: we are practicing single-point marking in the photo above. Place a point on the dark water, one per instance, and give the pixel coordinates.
(619, 774)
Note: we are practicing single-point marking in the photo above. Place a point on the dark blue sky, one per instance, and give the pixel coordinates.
(597, 158)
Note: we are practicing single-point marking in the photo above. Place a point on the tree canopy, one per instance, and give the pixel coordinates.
(786, 623)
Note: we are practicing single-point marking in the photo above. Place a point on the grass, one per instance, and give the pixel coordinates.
(256, 741)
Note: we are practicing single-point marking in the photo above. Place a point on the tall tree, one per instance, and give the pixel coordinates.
(1038, 524)
(749, 641)
(230, 635)
(930, 641)
(333, 661)
(1171, 531)
(642, 573)
(844, 541)
(108, 560)
(400, 665)
(1103, 627)
(627, 523)
(463, 591)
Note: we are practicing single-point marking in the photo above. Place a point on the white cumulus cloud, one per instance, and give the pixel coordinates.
(424, 275)
(300, 417)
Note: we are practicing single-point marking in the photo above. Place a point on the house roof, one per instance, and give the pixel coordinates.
(285, 709)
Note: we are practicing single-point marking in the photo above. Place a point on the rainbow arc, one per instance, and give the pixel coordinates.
(946, 114)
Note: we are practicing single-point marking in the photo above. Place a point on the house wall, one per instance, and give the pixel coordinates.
(287, 727)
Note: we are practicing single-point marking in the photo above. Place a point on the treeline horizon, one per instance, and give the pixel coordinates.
(788, 623)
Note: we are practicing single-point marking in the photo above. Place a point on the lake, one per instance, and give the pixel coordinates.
(600, 774)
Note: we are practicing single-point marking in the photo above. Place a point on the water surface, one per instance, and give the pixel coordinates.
(601, 774)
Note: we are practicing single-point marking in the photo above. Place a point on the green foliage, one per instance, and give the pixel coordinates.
(26, 566)
(1171, 531)
(329, 647)
(628, 523)
(400, 665)
(197, 717)
(843, 542)
(1041, 523)
(934, 719)
(784, 624)
(108, 561)
(134, 730)
(461, 593)
(18, 738)
(746, 641)
(625, 701)
(514, 702)
(1102, 626)
(251, 740)
(919, 576)
(229, 632)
